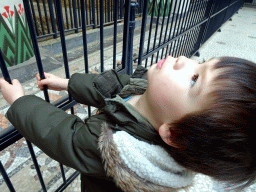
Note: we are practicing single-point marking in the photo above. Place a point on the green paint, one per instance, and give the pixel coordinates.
(7, 42)
(16, 47)
(156, 8)
(22, 40)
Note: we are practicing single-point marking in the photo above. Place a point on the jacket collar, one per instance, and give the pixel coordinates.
(127, 178)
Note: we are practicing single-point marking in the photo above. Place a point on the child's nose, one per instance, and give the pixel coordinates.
(180, 63)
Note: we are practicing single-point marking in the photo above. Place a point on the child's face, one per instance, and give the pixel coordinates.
(177, 86)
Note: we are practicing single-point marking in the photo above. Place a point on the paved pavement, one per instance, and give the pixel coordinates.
(237, 38)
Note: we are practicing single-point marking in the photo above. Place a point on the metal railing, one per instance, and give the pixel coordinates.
(182, 31)
(45, 21)
(250, 2)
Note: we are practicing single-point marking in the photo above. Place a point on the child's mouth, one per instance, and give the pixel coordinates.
(160, 63)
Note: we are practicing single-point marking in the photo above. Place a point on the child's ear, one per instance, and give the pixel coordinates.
(165, 134)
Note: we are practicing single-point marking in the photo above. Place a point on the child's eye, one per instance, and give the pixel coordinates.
(194, 79)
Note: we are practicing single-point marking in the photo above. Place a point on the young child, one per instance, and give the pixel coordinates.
(155, 129)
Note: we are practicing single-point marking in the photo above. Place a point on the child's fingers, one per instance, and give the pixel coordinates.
(38, 77)
(42, 83)
(16, 82)
(46, 75)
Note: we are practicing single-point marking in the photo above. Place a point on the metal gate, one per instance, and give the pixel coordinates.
(168, 27)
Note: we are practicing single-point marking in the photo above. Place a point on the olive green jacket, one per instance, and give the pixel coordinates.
(88, 146)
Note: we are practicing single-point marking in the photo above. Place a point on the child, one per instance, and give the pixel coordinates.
(182, 118)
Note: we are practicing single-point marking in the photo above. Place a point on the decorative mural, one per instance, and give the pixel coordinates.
(15, 40)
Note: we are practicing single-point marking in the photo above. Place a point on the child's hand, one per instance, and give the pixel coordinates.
(11, 92)
(53, 82)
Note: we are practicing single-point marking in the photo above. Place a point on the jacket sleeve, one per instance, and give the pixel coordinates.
(63, 137)
(91, 89)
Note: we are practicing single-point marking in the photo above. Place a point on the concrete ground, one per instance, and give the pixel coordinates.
(237, 38)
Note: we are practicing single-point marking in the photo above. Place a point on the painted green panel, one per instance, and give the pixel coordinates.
(16, 46)
(7, 42)
(23, 44)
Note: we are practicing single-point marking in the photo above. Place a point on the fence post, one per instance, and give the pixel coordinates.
(52, 19)
(6, 178)
(132, 23)
(203, 30)
(75, 16)
(93, 15)
(143, 29)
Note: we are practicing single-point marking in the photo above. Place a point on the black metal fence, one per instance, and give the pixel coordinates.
(185, 28)
(250, 2)
(44, 14)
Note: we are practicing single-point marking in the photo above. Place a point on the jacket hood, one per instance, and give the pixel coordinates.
(139, 166)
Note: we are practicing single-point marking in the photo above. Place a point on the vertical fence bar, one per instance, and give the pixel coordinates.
(46, 17)
(90, 14)
(79, 15)
(176, 22)
(93, 15)
(41, 72)
(182, 39)
(203, 31)
(223, 20)
(150, 30)
(62, 36)
(6, 178)
(65, 57)
(160, 39)
(171, 31)
(63, 173)
(34, 16)
(105, 12)
(112, 9)
(101, 36)
(157, 23)
(70, 12)
(40, 16)
(75, 16)
(108, 12)
(193, 34)
(4, 68)
(35, 46)
(143, 29)
(32, 153)
(97, 6)
(66, 13)
(121, 9)
(181, 27)
(184, 12)
(191, 16)
(115, 32)
(130, 40)
(190, 12)
(86, 63)
(52, 19)
(166, 29)
(197, 17)
(126, 32)
(84, 37)
(118, 9)
(86, 9)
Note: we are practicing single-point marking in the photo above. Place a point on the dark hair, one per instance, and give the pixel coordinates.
(220, 141)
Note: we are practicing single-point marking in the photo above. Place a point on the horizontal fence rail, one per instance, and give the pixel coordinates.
(175, 27)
